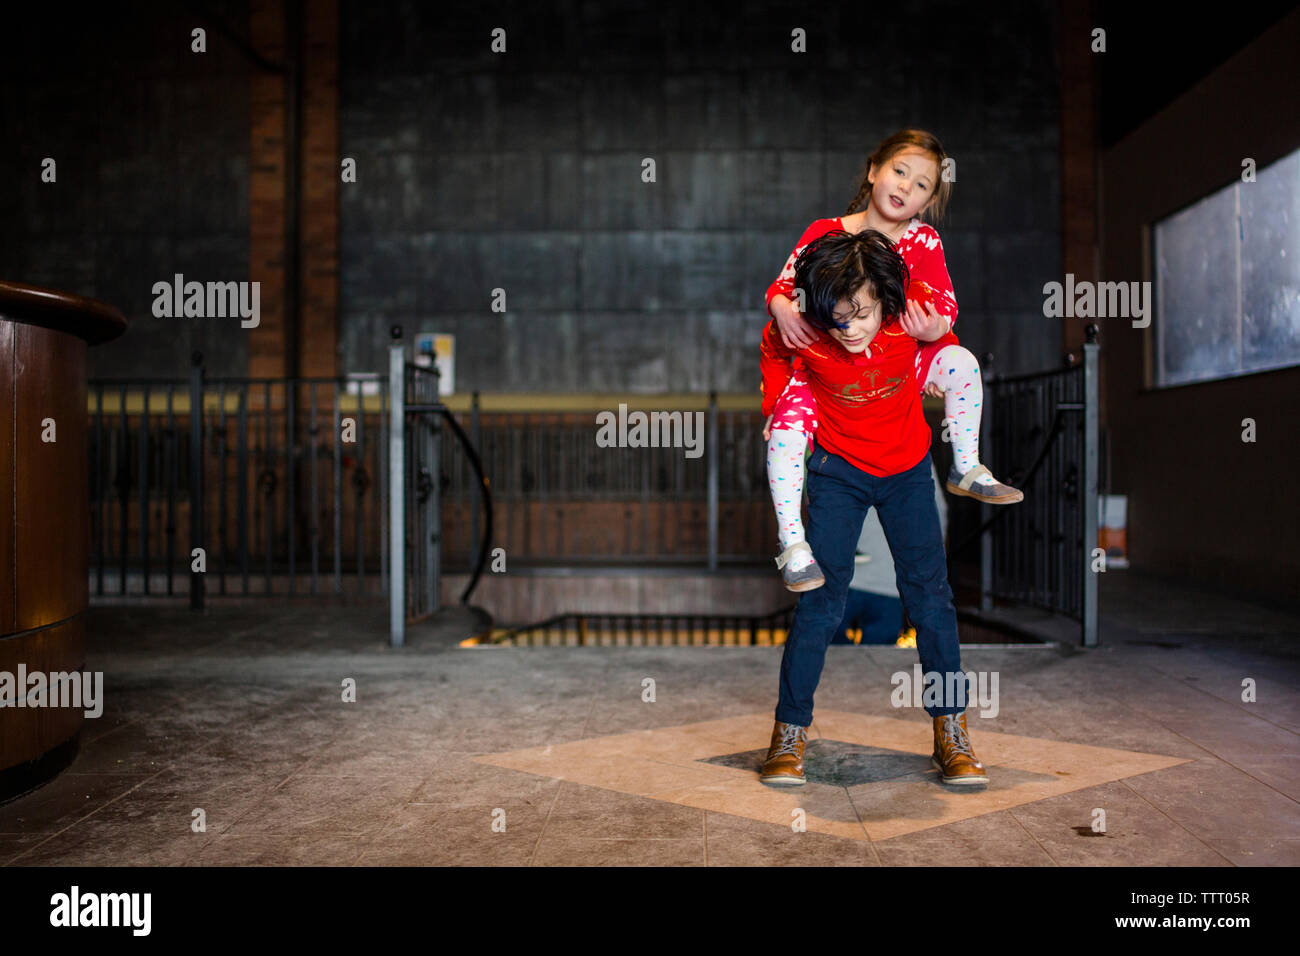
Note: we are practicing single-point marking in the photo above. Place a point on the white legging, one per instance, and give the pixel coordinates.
(955, 370)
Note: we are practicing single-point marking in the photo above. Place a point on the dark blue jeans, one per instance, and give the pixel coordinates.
(839, 496)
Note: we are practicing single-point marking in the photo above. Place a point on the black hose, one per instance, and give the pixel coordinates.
(472, 454)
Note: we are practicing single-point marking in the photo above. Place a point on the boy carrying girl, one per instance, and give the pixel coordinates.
(872, 449)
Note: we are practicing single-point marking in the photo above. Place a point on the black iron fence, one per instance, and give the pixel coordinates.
(561, 498)
(1042, 431)
(291, 476)
(280, 480)
(291, 482)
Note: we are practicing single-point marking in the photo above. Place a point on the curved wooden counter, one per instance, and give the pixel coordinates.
(44, 515)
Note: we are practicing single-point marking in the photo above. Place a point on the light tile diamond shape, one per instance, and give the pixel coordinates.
(868, 777)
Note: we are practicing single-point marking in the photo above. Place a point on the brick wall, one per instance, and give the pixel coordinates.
(318, 344)
(267, 352)
(275, 349)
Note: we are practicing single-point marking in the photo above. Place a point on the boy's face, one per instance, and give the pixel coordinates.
(905, 184)
(860, 318)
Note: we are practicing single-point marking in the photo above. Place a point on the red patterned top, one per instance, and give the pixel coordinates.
(869, 407)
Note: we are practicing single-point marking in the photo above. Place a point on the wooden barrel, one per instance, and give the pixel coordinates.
(44, 518)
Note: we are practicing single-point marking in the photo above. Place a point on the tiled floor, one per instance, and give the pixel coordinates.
(234, 719)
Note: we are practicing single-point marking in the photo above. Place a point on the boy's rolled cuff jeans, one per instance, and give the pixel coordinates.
(839, 496)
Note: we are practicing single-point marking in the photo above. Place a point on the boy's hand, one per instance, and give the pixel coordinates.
(925, 324)
(933, 390)
(796, 331)
(767, 428)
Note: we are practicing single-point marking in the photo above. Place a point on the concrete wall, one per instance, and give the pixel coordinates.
(1202, 504)
(521, 171)
(151, 146)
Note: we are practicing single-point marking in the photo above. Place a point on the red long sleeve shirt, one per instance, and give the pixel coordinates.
(869, 408)
(868, 405)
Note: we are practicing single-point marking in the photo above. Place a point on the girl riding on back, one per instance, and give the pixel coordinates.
(901, 186)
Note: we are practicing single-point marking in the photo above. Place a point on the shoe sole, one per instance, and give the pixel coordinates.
(782, 781)
(1000, 500)
(968, 780)
(805, 585)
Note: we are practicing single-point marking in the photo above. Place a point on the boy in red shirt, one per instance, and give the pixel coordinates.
(872, 450)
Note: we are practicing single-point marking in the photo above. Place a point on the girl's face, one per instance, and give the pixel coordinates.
(905, 184)
(860, 318)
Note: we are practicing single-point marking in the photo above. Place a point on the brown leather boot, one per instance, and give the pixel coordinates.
(953, 755)
(784, 764)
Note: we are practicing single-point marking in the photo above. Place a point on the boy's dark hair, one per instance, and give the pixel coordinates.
(836, 265)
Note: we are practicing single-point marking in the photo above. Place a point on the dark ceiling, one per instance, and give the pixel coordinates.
(1156, 52)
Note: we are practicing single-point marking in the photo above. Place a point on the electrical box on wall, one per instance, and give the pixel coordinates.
(434, 348)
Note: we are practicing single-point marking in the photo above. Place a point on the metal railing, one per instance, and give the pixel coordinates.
(286, 473)
(292, 481)
(1042, 431)
(559, 498)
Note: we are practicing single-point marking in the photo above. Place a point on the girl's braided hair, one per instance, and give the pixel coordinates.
(896, 144)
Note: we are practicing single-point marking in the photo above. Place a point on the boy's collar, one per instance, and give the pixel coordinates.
(875, 348)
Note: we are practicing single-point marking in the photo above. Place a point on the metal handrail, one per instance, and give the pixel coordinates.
(486, 498)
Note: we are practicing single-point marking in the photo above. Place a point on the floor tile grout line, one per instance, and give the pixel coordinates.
(865, 832)
(1176, 823)
(215, 838)
(254, 804)
(541, 833)
(1011, 812)
(1144, 715)
(409, 803)
(1217, 756)
(383, 827)
(86, 817)
(269, 710)
(764, 823)
(532, 857)
(1235, 705)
